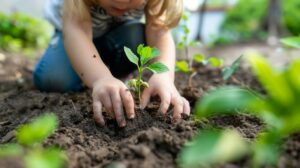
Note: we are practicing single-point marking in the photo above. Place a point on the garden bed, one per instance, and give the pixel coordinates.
(150, 140)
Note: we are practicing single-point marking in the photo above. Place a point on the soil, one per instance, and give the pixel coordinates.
(150, 140)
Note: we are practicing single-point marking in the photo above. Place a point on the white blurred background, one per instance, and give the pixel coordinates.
(31, 7)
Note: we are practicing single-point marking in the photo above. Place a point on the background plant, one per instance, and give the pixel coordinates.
(146, 54)
(279, 108)
(22, 33)
(247, 21)
(183, 66)
(186, 65)
(29, 144)
(227, 72)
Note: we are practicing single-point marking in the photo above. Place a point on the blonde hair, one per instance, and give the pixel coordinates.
(163, 13)
(78, 7)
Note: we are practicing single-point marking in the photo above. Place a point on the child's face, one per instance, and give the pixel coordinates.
(119, 7)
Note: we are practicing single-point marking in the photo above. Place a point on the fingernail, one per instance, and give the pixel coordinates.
(122, 124)
(100, 123)
(131, 116)
(161, 112)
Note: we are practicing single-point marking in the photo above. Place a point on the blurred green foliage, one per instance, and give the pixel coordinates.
(22, 33)
(212, 147)
(291, 16)
(244, 22)
(29, 145)
(248, 20)
(278, 108)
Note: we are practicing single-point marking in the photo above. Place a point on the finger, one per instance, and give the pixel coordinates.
(186, 107)
(97, 112)
(106, 101)
(118, 107)
(178, 107)
(128, 103)
(146, 97)
(165, 99)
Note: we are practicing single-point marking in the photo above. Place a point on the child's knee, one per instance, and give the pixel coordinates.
(53, 82)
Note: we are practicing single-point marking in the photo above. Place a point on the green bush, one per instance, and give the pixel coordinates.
(247, 20)
(22, 33)
(291, 15)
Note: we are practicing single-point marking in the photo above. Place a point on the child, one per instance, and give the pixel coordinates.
(87, 47)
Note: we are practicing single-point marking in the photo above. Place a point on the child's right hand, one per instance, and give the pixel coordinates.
(113, 95)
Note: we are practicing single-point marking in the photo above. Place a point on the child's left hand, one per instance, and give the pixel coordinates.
(163, 86)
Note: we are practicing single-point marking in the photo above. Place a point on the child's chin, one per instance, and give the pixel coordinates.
(116, 13)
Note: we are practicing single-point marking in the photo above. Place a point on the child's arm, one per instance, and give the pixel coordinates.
(107, 90)
(163, 84)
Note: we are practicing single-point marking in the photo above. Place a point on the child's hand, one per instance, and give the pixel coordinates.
(112, 94)
(163, 86)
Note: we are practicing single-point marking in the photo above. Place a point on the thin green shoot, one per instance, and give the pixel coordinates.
(227, 72)
(146, 54)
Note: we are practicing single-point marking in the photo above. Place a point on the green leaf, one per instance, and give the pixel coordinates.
(183, 66)
(158, 67)
(38, 130)
(292, 75)
(212, 147)
(131, 56)
(48, 158)
(140, 48)
(266, 149)
(199, 58)
(186, 30)
(227, 100)
(155, 52)
(229, 71)
(216, 62)
(148, 53)
(272, 80)
(184, 17)
(9, 150)
(180, 45)
(291, 42)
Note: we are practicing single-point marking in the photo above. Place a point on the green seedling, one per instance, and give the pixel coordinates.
(184, 44)
(183, 66)
(146, 54)
(229, 71)
(278, 108)
(186, 66)
(29, 144)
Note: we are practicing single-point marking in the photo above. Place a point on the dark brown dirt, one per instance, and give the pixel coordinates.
(150, 140)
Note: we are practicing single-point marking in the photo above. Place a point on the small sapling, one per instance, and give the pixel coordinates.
(146, 54)
(186, 65)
